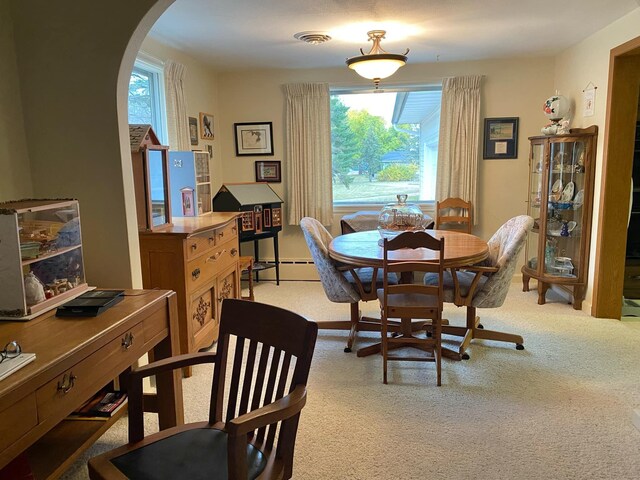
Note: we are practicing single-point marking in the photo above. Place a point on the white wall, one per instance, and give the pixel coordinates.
(587, 62)
(15, 176)
(511, 88)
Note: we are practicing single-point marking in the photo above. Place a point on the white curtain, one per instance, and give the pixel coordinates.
(177, 120)
(308, 150)
(458, 144)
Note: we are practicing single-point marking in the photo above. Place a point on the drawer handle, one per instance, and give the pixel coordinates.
(194, 246)
(234, 252)
(221, 234)
(634, 277)
(195, 274)
(211, 239)
(68, 381)
(216, 256)
(127, 341)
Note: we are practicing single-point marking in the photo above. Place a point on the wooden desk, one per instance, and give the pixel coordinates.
(361, 249)
(92, 352)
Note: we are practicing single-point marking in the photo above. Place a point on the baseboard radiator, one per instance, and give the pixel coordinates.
(291, 269)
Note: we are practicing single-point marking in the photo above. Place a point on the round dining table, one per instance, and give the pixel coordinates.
(364, 249)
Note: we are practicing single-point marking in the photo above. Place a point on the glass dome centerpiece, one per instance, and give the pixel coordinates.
(399, 217)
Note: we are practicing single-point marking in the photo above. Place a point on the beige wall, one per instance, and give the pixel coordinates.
(73, 94)
(201, 91)
(15, 177)
(510, 88)
(587, 62)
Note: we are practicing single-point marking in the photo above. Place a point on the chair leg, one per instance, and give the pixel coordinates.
(437, 349)
(355, 319)
(473, 323)
(383, 339)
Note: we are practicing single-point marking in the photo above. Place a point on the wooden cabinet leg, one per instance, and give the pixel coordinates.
(542, 292)
(578, 296)
(525, 282)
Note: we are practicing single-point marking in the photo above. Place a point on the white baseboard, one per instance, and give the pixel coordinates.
(636, 418)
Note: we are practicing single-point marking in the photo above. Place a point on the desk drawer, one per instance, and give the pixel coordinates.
(227, 233)
(197, 245)
(17, 419)
(201, 270)
(69, 390)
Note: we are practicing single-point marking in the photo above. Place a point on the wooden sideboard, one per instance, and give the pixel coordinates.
(75, 358)
(198, 258)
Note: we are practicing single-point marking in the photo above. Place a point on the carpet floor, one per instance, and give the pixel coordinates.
(560, 409)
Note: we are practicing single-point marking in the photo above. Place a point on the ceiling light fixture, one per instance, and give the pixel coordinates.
(314, 38)
(377, 64)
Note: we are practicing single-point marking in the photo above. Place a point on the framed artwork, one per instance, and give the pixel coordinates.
(206, 126)
(193, 130)
(500, 137)
(268, 171)
(210, 150)
(253, 139)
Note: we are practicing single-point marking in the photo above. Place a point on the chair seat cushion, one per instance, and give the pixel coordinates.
(366, 276)
(198, 454)
(464, 279)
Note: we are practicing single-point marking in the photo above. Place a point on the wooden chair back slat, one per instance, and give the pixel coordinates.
(235, 379)
(248, 377)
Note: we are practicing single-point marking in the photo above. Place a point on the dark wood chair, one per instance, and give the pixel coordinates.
(263, 358)
(462, 221)
(408, 300)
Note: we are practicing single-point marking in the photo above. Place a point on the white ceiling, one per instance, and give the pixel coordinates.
(242, 34)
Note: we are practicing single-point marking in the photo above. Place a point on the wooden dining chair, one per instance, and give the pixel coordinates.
(412, 300)
(462, 221)
(260, 372)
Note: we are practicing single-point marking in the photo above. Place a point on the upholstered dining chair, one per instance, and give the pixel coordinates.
(260, 372)
(486, 285)
(444, 216)
(342, 283)
(408, 300)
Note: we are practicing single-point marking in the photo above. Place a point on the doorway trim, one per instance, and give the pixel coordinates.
(622, 112)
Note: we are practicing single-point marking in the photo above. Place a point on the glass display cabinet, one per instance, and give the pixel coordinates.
(40, 256)
(561, 177)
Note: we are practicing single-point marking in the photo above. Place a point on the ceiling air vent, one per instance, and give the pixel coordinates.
(314, 38)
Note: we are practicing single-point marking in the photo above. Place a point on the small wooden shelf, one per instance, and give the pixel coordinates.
(44, 256)
(59, 448)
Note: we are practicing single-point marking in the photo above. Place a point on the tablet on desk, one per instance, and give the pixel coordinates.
(90, 304)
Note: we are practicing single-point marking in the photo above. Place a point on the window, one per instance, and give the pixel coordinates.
(146, 97)
(384, 144)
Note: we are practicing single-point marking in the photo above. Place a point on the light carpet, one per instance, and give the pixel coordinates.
(561, 408)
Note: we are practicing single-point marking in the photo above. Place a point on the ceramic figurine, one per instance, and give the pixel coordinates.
(33, 289)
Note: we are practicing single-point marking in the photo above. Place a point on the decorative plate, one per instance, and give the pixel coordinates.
(567, 193)
(579, 199)
(556, 190)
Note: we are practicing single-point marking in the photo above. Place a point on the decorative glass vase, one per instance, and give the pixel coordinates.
(398, 217)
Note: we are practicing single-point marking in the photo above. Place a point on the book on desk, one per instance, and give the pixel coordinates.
(11, 365)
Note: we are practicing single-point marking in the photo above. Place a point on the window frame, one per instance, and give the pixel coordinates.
(428, 206)
(155, 67)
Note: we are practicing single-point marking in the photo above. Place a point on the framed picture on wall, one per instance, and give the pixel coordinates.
(500, 138)
(268, 172)
(206, 126)
(193, 130)
(253, 139)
